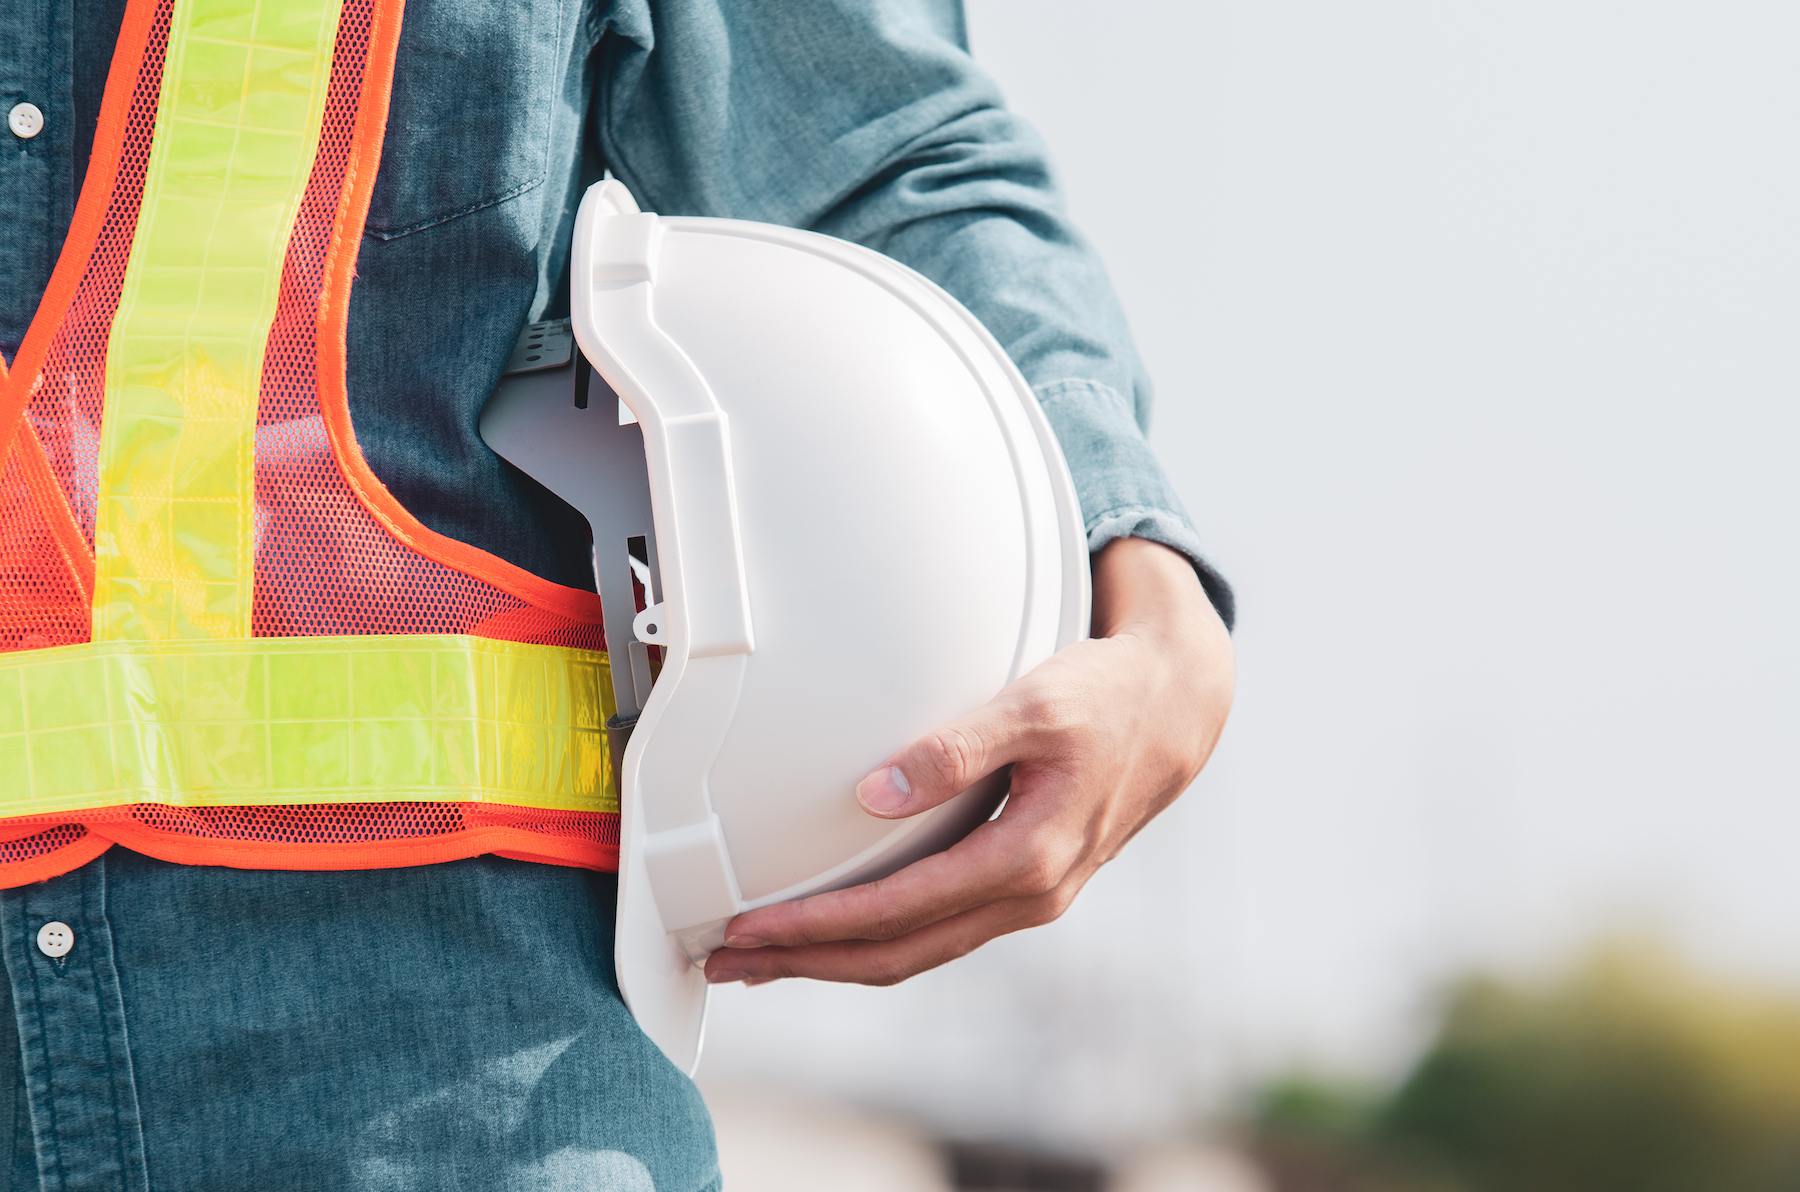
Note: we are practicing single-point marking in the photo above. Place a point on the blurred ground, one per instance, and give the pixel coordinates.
(1191, 1168)
(775, 1141)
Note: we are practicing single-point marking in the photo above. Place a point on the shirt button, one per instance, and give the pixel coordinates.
(55, 940)
(25, 120)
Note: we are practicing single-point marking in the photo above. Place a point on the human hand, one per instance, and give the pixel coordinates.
(1100, 737)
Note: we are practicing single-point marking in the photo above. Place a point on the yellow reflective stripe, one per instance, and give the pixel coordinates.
(279, 720)
(237, 125)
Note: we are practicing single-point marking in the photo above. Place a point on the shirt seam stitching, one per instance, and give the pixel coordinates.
(433, 221)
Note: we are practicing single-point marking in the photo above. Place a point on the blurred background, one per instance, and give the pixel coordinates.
(1474, 327)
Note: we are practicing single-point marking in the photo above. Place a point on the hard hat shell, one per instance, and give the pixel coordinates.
(853, 525)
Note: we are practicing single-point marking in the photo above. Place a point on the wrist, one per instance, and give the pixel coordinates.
(1149, 599)
(1148, 590)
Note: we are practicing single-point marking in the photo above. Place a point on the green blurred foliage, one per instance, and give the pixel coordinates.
(1311, 1107)
(1316, 1135)
(1632, 1074)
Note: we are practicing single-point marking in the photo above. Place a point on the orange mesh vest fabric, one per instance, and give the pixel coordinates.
(334, 555)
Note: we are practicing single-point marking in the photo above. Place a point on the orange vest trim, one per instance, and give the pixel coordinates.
(479, 730)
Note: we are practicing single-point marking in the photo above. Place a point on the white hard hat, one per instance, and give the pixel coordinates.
(851, 524)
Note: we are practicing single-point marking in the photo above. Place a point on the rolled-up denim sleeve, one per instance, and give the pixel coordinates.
(872, 122)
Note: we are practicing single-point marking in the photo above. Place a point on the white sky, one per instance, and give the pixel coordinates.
(1475, 334)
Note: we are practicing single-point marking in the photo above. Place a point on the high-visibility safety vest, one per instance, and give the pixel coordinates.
(222, 641)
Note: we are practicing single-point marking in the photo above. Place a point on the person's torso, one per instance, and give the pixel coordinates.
(278, 569)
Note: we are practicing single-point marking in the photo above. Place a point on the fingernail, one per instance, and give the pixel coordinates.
(749, 981)
(745, 941)
(885, 791)
(726, 976)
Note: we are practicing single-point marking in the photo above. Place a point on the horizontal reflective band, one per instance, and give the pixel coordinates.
(301, 720)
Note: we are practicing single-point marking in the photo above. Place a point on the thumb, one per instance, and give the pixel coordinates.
(937, 767)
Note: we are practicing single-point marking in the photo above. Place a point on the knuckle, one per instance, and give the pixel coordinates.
(1047, 709)
(776, 970)
(890, 917)
(1045, 867)
(890, 972)
(952, 755)
(1061, 721)
(892, 925)
(1037, 875)
(1056, 904)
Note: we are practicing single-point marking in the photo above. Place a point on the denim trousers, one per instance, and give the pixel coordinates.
(442, 1027)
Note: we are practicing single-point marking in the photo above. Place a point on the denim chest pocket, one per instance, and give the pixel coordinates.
(469, 116)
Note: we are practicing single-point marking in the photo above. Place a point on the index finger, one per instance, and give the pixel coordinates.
(1010, 857)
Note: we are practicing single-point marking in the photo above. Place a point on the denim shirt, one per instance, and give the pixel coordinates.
(458, 1026)
(867, 121)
